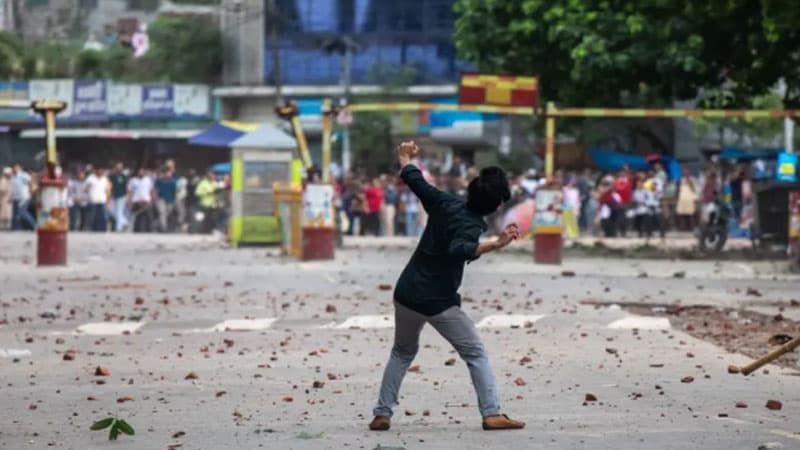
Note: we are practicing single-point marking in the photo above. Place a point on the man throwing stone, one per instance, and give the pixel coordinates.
(427, 291)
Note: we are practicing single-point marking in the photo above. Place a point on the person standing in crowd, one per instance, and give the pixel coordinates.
(585, 185)
(119, 193)
(687, 201)
(5, 199)
(610, 208)
(77, 201)
(98, 190)
(411, 207)
(640, 207)
(389, 209)
(20, 199)
(166, 190)
(140, 201)
(191, 199)
(737, 192)
(180, 201)
(624, 187)
(655, 200)
(374, 197)
(206, 193)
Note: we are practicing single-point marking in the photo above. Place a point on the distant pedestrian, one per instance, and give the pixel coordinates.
(374, 197)
(21, 217)
(119, 192)
(140, 201)
(389, 208)
(98, 189)
(5, 199)
(166, 188)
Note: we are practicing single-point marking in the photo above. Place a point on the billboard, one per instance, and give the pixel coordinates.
(498, 90)
(99, 100)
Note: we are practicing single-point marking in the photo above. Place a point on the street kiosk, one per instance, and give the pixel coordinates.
(259, 160)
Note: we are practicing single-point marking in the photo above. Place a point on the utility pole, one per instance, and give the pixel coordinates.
(273, 17)
(345, 82)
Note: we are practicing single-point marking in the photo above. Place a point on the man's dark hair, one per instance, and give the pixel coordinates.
(487, 192)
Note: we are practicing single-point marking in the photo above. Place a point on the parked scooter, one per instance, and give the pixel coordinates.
(713, 232)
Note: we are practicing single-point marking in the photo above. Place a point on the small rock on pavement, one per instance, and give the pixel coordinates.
(318, 384)
(450, 362)
(741, 405)
(680, 274)
(101, 372)
(687, 379)
(191, 376)
(590, 398)
(770, 446)
(330, 309)
(733, 369)
(567, 273)
(520, 382)
(385, 287)
(774, 405)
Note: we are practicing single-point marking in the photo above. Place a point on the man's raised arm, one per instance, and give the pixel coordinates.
(412, 176)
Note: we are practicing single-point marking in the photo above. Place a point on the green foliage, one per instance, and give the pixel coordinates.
(184, 50)
(633, 53)
(370, 138)
(763, 131)
(115, 425)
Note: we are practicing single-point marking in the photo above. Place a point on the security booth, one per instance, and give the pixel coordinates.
(259, 160)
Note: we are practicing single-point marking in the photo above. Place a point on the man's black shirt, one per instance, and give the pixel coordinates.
(429, 284)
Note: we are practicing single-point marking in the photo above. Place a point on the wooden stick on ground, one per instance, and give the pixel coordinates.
(771, 356)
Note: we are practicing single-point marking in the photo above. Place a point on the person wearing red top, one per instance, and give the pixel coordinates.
(623, 186)
(374, 195)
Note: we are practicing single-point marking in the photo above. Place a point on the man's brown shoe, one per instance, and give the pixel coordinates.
(501, 422)
(380, 423)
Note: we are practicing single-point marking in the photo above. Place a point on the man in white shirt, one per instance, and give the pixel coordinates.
(98, 189)
(140, 199)
(20, 199)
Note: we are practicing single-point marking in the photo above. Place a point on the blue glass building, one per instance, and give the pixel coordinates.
(391, 34)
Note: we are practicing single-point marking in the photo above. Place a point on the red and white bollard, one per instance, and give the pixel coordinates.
(52, 223)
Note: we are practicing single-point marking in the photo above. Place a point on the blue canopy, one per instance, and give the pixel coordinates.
(611, 161)
(216, 135)
(740, 154)
(221, 168)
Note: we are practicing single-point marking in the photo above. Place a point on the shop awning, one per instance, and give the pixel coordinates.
(222, 134)
(110, 133)
(266, 137)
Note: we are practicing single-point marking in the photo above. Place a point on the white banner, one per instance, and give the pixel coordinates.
(191, 99)
(124, 99)
(62, 90)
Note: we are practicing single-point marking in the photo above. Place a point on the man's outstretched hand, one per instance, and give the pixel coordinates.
(510, 233)
(406, 152)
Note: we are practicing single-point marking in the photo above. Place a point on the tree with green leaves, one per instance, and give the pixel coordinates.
(635, 53)
(184, 50)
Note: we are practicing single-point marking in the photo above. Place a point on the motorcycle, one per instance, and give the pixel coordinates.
(713, 232)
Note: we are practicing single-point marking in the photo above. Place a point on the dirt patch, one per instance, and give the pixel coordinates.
(736, 330)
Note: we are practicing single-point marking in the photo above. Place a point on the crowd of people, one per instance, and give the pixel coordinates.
(625, 203)
(119, 199)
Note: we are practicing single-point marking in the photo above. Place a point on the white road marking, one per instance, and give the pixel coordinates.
(244, 324)
(788, 434)
(745, 268)
(508, 320)
(641, 323)
(14, 352)
(108, 328)
(363, 322)
(331, 278)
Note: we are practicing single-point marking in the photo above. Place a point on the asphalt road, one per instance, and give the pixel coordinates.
(213, 348)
